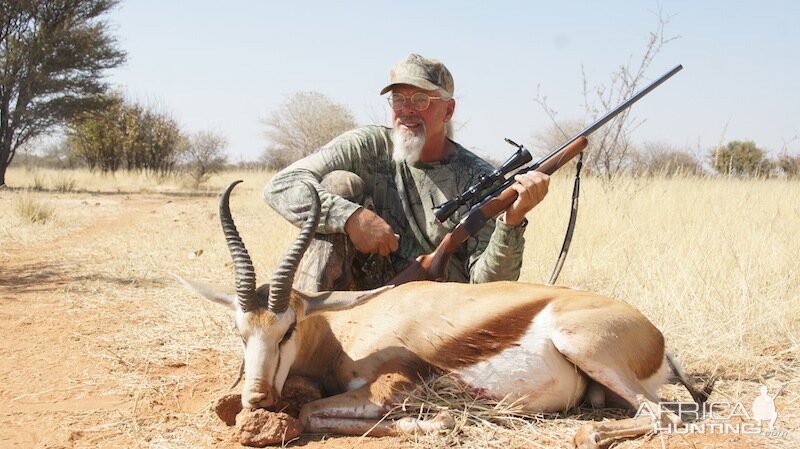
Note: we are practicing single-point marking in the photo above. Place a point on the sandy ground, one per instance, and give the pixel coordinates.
(101, 348)
(69, 378)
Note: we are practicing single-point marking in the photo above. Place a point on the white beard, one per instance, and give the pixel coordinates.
(407, 145)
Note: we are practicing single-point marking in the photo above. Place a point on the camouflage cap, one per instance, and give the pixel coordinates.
(418, 71)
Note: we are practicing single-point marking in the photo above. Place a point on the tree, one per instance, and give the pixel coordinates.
(53, 54)
(611, 150)
(789, 165)
(203, 155)
(741, 158)
(301, 125)
(125, 136)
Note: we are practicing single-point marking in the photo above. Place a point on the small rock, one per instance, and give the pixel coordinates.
(261, 428)
(227, 407)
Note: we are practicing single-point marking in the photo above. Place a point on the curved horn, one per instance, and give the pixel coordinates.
(281, 286)
(243, 265)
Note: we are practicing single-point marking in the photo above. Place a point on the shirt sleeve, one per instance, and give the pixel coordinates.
(498, 255)
(285, 192)
(495, 252)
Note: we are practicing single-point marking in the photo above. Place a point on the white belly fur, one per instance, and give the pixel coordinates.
(533, 372)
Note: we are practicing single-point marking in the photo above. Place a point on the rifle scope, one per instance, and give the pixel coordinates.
(521, 157)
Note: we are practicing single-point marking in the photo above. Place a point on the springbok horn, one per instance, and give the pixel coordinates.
(280, 288)
(243, 265)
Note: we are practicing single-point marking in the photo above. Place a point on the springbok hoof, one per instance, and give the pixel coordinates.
(586, 438)
(444, 419)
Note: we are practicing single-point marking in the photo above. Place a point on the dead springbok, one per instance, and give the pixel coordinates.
(552, 347)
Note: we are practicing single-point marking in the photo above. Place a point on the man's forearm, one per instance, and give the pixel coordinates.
(502, 258)
(285, 193)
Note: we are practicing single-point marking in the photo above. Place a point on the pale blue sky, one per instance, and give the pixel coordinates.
(223, 66)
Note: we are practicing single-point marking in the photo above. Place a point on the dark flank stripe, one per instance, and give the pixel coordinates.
(487, 338)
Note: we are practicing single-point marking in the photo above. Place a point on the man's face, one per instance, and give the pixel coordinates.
(430, 122)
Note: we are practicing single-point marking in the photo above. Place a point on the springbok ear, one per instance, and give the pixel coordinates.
(330, 301)
(211, 292)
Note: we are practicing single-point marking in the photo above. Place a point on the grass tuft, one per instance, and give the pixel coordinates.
(64, 183)
(37, 181)
(34, 211)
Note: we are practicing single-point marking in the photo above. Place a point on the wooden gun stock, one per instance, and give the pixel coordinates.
(433, 266)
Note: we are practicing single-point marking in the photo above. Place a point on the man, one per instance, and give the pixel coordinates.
(379, 186)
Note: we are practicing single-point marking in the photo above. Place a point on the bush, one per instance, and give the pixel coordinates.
(203, 155)
(742, 159)
(789, 165)
(126, 136)
(659, 158)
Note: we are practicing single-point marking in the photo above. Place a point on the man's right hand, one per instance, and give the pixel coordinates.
(370, 234)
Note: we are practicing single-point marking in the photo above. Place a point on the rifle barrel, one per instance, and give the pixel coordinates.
(611, 114)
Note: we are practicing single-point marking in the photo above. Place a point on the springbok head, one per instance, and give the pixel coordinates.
(267, 316)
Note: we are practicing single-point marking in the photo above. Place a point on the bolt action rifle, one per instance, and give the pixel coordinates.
(433, 266)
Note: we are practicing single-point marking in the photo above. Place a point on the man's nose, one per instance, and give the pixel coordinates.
(408, 108)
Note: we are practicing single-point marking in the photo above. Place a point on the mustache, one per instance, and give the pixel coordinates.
(408, 118)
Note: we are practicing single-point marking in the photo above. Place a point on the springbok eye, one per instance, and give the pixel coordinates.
(288, 333)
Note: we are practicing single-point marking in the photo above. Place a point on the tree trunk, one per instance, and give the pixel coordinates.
(5, 139)
(5, 159)
(2, 175)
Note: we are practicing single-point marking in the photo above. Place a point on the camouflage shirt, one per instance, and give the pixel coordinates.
(404, 195)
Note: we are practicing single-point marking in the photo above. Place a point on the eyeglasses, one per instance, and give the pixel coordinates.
(420, 101)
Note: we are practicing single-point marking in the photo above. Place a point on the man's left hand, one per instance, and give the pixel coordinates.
(531, 189)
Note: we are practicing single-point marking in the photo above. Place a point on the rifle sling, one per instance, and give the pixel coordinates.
(573, 215)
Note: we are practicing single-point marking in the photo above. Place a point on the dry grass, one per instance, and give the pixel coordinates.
(710, 261)
(33, 210)
(713, 262)
(83, 180)
(478, 422)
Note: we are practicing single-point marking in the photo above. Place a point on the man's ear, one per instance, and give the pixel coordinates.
(450, 109)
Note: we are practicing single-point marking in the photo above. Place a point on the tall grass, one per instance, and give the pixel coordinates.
(64, 182)
(712, 261)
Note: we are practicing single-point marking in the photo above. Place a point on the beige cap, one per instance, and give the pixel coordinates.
(418, 71)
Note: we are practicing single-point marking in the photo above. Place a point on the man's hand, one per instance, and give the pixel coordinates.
(370, 234)
(531, 188)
